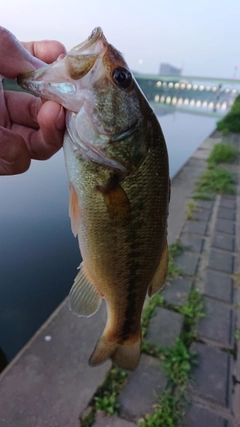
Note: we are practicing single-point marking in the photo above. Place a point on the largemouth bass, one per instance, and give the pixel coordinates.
(117, 164)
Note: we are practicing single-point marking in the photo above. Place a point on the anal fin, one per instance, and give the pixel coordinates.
(161, 272)
(84, 299)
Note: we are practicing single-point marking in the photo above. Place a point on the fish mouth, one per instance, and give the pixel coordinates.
(95, 35)
(61, 80)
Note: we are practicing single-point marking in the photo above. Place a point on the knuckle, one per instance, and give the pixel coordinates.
(6, 37)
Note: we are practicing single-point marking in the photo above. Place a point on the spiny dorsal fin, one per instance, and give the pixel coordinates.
(161, 272)
(74, 210)
(84, 299)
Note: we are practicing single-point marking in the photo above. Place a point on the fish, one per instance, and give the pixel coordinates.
(118, 170)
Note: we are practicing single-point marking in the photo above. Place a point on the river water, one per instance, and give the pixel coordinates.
(38, 253)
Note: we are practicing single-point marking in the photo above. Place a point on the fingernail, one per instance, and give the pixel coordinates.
(60, 122)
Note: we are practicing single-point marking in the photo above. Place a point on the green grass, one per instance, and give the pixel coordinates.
(191, 208)
(150, 349)
(231, 122)
(167, 411)
(174, 250)
(177, 362)
(222, 153)
(106, 398)
(214, 180)
(193, 309)
(237, 334)
(236, 279)
(149, 311)
(88, 420)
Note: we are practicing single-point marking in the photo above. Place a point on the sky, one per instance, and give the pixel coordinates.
(201, 37)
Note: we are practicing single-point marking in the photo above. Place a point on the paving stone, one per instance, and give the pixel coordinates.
(226, 213)
(225, 226)
(102, 420)
(140, 392)
(217, 325)
(51, 383)
(236, 406)
(164, 327)
(176, 292)
(228, 203)
(223, 241)
(188, 263)
(228, 197)
(197, 227)
(192, 242)
(221, 261)
(219, 286)
(205, 204)
(197, 416)
(202, 215)
(216, 134)
(211, 375)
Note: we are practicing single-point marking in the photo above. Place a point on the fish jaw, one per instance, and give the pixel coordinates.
(63, 80)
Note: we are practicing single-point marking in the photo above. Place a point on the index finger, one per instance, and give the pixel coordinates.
(45, 50)
(15, 59)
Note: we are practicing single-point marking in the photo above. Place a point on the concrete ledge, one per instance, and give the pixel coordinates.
(49, 383)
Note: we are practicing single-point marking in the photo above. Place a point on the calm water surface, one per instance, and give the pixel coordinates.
(38, 253)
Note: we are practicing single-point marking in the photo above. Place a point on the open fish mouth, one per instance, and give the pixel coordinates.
(61, 80)
(95, 36)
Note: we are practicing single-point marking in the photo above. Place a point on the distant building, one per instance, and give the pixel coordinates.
(169, 70)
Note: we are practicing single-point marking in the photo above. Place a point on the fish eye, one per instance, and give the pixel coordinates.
(122, 77)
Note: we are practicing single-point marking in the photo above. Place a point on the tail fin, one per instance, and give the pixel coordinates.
(125, 356)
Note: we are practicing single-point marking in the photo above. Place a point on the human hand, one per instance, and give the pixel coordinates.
(29, 127)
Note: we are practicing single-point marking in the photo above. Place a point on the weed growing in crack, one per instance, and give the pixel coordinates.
(173, 270)
(177, 362)
(222, 153)
(106, 398)
(149, 311)
(167, 411)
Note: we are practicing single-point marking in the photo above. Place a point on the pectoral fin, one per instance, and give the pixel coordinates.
(74, 210)
(161, 272)
(117, 202)
(84, 299)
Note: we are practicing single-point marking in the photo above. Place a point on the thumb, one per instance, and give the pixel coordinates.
(15, 59)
